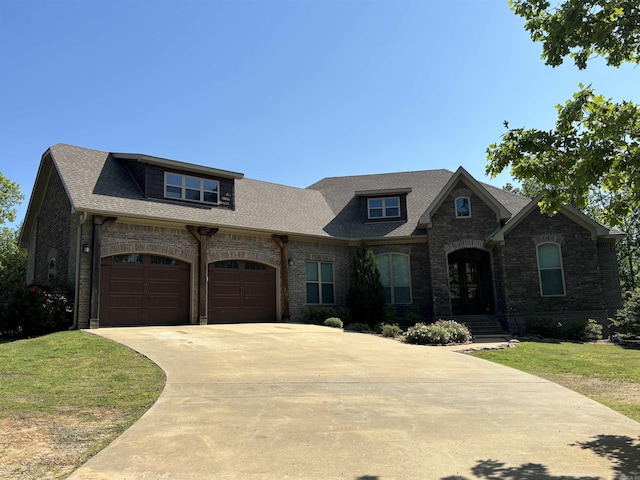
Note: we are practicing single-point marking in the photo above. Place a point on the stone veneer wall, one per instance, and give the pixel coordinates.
(448, 233)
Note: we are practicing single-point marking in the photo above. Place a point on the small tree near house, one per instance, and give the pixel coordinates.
(365, 297)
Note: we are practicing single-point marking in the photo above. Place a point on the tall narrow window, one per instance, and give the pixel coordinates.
(395, 277)
(463, 207)
(550, 270)
(51, 274)
(319, 276)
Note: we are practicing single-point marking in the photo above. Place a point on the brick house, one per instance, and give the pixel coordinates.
(151, 241)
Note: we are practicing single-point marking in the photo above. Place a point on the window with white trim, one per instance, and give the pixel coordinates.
(463, 207)
(184, 187)
(550, 270)
(319, 278)
(383, 207)
(395, 277)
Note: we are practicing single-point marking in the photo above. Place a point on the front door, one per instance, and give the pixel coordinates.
(470, 285)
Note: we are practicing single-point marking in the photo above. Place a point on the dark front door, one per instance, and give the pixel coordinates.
(241, 291)
(470, 285)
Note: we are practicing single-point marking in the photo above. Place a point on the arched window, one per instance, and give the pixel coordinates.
(51, 272)
(550, 269)
(395, 277)
(463, 207)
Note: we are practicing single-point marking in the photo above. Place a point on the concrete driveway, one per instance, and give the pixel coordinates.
(277, 401)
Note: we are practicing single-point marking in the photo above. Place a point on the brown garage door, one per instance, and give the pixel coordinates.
(140, 289)
(241, 291)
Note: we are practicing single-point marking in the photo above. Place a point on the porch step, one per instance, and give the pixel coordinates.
(482, 325)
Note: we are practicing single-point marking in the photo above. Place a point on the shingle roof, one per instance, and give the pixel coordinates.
(425, 186)
(98, 183)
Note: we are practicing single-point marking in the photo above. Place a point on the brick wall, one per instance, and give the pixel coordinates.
(53, 227)
(580, 261)
(301, 252)
(448, 233)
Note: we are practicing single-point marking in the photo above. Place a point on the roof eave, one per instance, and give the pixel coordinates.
(190, 167)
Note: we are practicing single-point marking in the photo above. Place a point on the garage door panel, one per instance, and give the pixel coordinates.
(241, 291)
(139, 289)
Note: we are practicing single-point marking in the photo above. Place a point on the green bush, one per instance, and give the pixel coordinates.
(627, 319)
(441, 332)
(592, 331)
(358, 327)
(33, 310)
(391, 331)
(317, 315)
(334, 322)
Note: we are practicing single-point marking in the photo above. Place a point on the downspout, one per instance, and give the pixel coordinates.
(76, 289)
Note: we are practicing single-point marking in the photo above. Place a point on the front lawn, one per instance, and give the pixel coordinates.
(609, 374)
(64, 397)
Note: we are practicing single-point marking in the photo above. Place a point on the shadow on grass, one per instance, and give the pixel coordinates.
(623, 452)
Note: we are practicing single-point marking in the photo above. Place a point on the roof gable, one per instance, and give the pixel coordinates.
(597, 230)
(476, 187)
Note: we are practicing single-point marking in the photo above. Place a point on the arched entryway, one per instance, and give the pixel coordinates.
(241, 291)
(470, 282)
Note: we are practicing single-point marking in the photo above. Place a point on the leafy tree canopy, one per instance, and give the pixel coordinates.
(595, 144)
(9, 196)
(582, 29)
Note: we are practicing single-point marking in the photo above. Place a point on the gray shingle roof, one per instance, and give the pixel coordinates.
(98, 183)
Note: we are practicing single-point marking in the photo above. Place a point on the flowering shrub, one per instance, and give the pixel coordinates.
(33, 310)
(441, 332)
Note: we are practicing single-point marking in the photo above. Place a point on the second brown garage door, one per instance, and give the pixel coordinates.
(241, 291)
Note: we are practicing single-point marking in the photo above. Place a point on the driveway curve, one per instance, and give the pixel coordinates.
(278, 401)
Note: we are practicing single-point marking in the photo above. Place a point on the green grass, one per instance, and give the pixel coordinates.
(75, 370)
(610, 374)
(73, 393)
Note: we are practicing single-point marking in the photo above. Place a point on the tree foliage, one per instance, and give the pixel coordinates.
(595, 144)
(365, 297)
(582, 29)
(9, 196)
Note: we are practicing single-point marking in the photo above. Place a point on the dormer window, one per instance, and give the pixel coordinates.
(184, 187)
(384, 207)
(463, 207)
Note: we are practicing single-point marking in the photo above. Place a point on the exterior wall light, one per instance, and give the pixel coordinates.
(86, 248)
(290, 262)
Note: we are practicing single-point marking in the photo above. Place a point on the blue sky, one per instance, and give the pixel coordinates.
(282, 91)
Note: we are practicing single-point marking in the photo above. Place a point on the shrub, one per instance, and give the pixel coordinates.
(441, 332)
(592, 331)
(627, 319)
(578, 329)
(334, 322)
(317, 315)
(365, 296)
(358, 327)
(34, 310)
(391, 331)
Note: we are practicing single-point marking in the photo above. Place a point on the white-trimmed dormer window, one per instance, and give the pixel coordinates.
(383, 207)
(184, 187)
(463, 207)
